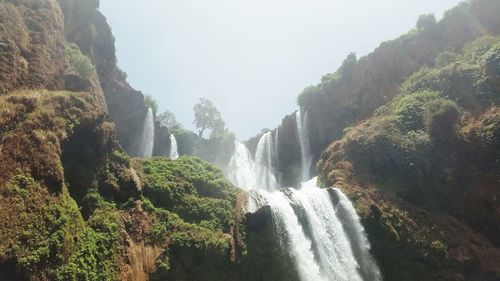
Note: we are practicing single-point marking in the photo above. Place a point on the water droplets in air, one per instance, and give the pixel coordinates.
(305, 149)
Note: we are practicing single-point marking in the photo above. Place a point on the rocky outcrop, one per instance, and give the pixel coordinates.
(372, 81)
(73, 81)
(360, 86)
(139, 256)
(31, 45)
(88, 28)
(55, 149)
(162, 144)
(425, 180)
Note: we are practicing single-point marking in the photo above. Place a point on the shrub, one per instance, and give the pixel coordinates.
(426, 21)
(191, 188)
(441, 118)
(445, 59)
(81, 63)
(409, 109)
(150, 102)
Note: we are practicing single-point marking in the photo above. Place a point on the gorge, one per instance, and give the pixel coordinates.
(388, 170)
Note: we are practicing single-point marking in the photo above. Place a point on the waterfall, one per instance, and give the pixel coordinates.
(264, 163)
(148, 136)
(277, 155)
(174, 154)
(318, 228)
(325, 239)
(244, 172)
(305, 150)
(241, 168)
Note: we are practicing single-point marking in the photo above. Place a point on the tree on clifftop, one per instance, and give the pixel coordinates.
(206, 116)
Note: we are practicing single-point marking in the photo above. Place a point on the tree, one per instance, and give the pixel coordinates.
(168, 120)
(206, 116)
(426, 22)
(150, 102)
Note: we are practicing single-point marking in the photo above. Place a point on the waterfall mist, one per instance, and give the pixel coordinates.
(241, 168)
(264, 163)
(305, 150)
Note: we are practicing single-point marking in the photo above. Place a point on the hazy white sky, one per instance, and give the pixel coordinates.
(251, 58)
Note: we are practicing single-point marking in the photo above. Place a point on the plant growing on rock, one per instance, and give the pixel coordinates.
(81, 63)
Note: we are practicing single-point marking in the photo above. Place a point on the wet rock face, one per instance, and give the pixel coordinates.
(162, 144)
(265, 258)
(76, 83)
(88, 28)
(31, 44)
(289, 152)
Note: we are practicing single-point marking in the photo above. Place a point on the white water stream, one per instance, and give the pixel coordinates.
(148, 136)
(174, 153)
(319, 228)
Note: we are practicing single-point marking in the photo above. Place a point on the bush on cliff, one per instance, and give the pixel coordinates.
(81, 63)
(192, 207)
(191, 188)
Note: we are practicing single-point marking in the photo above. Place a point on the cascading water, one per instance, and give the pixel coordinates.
(276, 155)
(174, 154)
(241, 168)
(305, 150)
(148, 136)
(318, 228)
(325, 239)
(264, 163)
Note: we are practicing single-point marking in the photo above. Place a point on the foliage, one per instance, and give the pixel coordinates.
(468, 80)
(192, 206)
(401, 145)
(97, 247)
(441, 118)
(191, 188)
(44, 234)
(168, 120)
(38, 228)
(328, 82)
(79, 61)
(207, 116)
(150, 102)
(409, 110)
(426, 21)
(445, 58)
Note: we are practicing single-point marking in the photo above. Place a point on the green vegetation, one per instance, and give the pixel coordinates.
(469, 79)
(191, 188)
(168, 120)
(150, 102)
(418, 168)
(207, 116)
(81, 63)
(45, 234)
(328, 82)
(192, 207)
(97, 246)
(426, 21)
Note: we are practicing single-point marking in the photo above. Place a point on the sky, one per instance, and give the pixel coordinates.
(250, 58)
